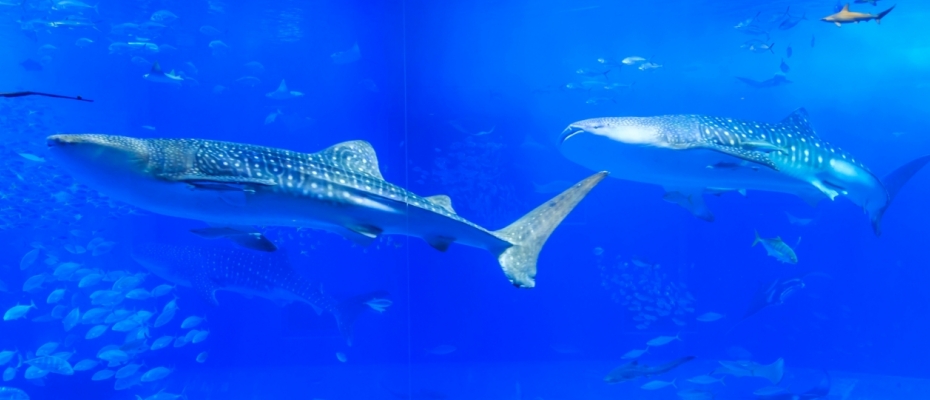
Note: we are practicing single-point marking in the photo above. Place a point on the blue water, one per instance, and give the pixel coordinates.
(467, 99)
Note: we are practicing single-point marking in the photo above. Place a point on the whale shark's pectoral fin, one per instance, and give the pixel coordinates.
(206, 288)
(207, 182)
(831, 190)
(361, 235)
(757, 157)
(249, 240)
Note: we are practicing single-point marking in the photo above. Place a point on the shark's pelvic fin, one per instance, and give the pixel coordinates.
(249, 240)
(893, 183)
(528, 234)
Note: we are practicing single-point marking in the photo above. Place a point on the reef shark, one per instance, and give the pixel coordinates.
(267, 275)
(690, 154)
(634, 369)
(844, 16)
(339, 189)
(158, 76)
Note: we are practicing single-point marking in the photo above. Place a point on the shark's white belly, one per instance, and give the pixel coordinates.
(676, 169)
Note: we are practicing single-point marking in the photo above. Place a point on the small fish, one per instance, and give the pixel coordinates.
(709, 317)
(18, 311)
(254, 67)
(31, 157)
(210, 31)
(218, 47)
(788, 52)
(777, 248)
(161, 342)
(96, 331)
(271, 118)
(657, 384)
(155, 374)
(705, 380)
(798, 221)
(347, 56)
(598, 251)
(103, 375)
(86, 364)
(55, 296)
(662, 340)
(127, 371)
(784, 67)
(191, 322)
(632, 60)
(635, 353)
(83, 42)
(647, 66)
(164, 16)
(341, 357)
(148, 127)
(202, 357)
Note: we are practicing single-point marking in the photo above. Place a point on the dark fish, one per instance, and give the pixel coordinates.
(777, 80)
(813, 39)
(784, 67)
(634, 370)
(788, 51)
(269, 275)
(58, 96)
(31, 65)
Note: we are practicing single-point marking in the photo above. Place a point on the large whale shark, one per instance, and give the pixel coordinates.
(690, 155)
(267, 275)
(339, 189)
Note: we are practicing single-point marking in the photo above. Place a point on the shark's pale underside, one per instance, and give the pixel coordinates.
(339, 189)
(690, 155)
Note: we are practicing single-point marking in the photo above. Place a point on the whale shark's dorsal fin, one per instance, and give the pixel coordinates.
(282, 87)
(356, 155)
(156, 69)
(443, 201)
(800, 122)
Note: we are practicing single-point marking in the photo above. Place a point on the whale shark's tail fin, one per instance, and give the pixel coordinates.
(893, 183)
(528, 234)
(878, 18)
(348, 310)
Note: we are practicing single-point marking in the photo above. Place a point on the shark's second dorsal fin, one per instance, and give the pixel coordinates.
(357, 156)
(282, 87)
(799, 121)
(443, 201)
(156, 69)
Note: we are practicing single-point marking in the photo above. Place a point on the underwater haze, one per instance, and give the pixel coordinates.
(520, 200)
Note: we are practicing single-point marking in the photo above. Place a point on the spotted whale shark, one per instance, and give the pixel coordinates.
(690, 155)
(268, 275)
(339, 189)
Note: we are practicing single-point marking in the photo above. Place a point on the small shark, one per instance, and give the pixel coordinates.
(339, 189)
(634, 369)
(774, 372)
(845, 16)
(674, 151)
(158, 76)
(774, 81)
(283, 94)
(268, 275)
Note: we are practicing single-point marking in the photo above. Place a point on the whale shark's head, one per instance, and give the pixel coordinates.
(627, 130)
(101, 161)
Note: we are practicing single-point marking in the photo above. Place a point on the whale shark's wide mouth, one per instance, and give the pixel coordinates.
(572, 130)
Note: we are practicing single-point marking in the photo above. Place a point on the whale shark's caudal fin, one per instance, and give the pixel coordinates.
(348, 310)
(529, 233)
(893, 183)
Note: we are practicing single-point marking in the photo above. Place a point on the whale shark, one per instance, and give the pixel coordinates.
(267, 275)
(691, 154)
(339, 189)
